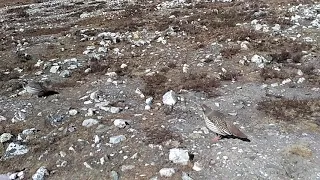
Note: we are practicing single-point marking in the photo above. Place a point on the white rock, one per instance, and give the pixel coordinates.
(73, 112)
(2, 118)
(166, 172)
(115, 110)
(90, 112)
(286, 81)
(87, 102)
(19, 115)
(197, 166)
(259, 60)
(123, 66)
(15, 149)
(139, 92)
(117, 139)
(54, 69)
(169, 98)
(40, 174)
(185, 176)
(127, 167)
(120, 123)
(89, 122)
(300, 73)
(185, 68)
(179, 156)
(244, 46)
(102, 49)
(301, 80)
(65, 73)
(96, 139)
(87, 165)
(5, 137)
(147, 107)
(276, 27)
(149, 100)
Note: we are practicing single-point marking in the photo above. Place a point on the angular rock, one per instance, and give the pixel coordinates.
(5, 137)
(117, 139)
(169, 98)
(166, 172)
(89, 122)
(185, 176)
(114, 175)
(121, 123)
(40, 174)
(73, 112)
(65, 73)
(179, 156)
(54, 69)
(15, 149)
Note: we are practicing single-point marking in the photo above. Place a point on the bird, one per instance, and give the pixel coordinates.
(218, 123)
(37, 88)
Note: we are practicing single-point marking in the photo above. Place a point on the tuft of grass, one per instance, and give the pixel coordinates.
(291, 110)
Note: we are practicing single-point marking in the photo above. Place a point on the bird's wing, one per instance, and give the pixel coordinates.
(235, 131)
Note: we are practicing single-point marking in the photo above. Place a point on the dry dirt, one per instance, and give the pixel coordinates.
(205, 38)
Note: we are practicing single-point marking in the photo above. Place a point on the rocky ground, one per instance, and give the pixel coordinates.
(114, 64)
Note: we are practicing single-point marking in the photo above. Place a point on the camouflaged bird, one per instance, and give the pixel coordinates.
(216, 122)
(37, 88)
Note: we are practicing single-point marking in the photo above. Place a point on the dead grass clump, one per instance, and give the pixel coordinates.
(230, 52)
(155, 85)
(156, 135)
(230, 76)
(291, 110)
(269, 73)
(284, 56)
(200, 83)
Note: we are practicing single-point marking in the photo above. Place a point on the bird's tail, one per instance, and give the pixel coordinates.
(236, 132)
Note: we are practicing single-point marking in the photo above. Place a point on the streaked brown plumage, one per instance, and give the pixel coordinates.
(216, 122)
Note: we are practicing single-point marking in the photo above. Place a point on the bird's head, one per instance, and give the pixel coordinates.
(205, 108)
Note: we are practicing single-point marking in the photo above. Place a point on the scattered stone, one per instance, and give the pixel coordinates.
(89, 122)
(185, 68)
(301, 80)
(19, 115)
(73, 112)
(169, 98)
(54, 69)
(185, 176)
(127, 167)
(121, 123)
(286, 81)
(179, 156)
(197, 166)
(65, 73)
(87, 165)
(147, 107)
(5, 137)
(166, 172)
(139, 92)
(259, 60)
(15, 149)
(40, 174)
(117, 139)
(115, 110)
(149, 100)
(114, 175)
(2, 118)
(123, 66)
